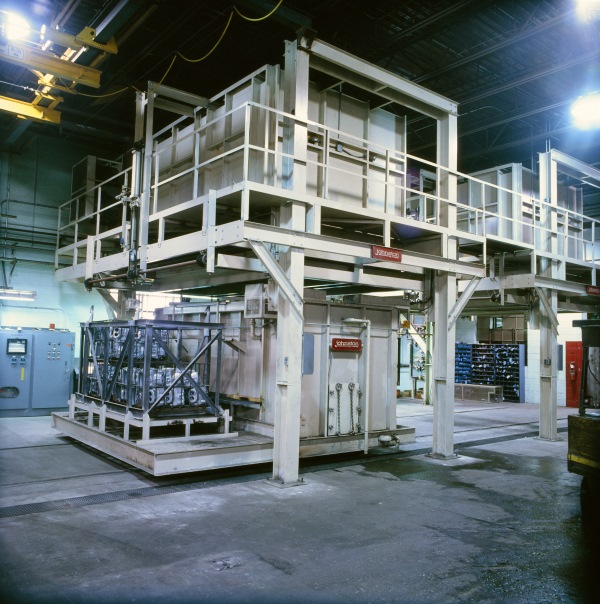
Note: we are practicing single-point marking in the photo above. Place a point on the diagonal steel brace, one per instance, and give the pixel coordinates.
(278, 274)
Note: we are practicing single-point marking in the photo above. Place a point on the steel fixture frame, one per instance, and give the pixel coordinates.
(141, 345)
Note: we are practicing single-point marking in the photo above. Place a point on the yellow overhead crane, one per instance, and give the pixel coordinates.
(50, 69)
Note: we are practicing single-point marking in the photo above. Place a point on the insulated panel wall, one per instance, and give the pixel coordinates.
(249, 361)
(207, 151)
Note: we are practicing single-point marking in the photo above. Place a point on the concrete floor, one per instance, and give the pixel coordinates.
(501, 523)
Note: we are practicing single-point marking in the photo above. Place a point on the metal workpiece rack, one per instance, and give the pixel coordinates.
(155, 372)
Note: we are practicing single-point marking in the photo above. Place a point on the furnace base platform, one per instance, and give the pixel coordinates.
(164, 456)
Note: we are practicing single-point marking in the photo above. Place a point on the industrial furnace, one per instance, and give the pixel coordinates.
(196, 388)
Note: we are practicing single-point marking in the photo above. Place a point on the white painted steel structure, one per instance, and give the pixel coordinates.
(279, 177)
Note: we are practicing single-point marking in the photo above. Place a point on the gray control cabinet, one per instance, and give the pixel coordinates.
(36, 369)
(52, 376)
(15, 369)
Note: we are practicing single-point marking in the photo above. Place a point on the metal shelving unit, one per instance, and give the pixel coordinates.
(483, 363)
(510, 362)
(493, 365)
(463, 373)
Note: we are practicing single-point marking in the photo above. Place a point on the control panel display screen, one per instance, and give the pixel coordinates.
(16, 346)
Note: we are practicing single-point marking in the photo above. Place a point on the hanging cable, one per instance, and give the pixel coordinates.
(168, 69)
(187, 59)
(259, 18)
(213, 48)
(100, 96)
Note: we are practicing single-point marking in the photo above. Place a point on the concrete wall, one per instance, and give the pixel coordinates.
(33, 183)
(466, 331)
(64, 304)
(566, 333)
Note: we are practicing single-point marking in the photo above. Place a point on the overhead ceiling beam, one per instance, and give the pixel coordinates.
(114, 15)
(65, 14)
(512, 117)
(24, 56)
(522, 141)
(532, 77)
(534, 31)
(29, 111)
(390, 43)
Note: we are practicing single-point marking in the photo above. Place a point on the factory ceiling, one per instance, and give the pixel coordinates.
(513, 66)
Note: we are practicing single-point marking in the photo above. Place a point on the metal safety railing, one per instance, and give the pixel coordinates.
(331, 170)
(96, 213)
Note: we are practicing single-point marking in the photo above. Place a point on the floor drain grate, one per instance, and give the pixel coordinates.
(78, 502)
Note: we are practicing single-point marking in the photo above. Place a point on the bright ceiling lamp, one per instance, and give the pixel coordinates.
(19, 295)
(585, 111)
(14, 27)
(587, 9)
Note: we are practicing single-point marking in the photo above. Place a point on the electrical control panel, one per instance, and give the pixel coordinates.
(52, 357)
(15, 370)
(36, 368)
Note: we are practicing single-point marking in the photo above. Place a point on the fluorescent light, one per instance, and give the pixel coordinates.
(20, 295)
(14, 26)
(587, 10)
(585, 111)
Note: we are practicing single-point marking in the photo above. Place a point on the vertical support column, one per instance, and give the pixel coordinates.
(517, 203)
(428, 290)
(126, 425)
(443, 368)
(89, 257)
(146, 174)
(548, 268)
(286, 446)
(444, 296)
(145, 427)
(138, 137)
(209, 224)
(102, 419)
(548, 372)
(428, 387)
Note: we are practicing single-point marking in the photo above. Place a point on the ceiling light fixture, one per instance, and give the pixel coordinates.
(587, 10)
(585, 111)
(14, 27)
(20, 295)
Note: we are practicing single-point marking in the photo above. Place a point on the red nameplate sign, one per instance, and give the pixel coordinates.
(346, 344)
(592, 290)
(386, 253)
